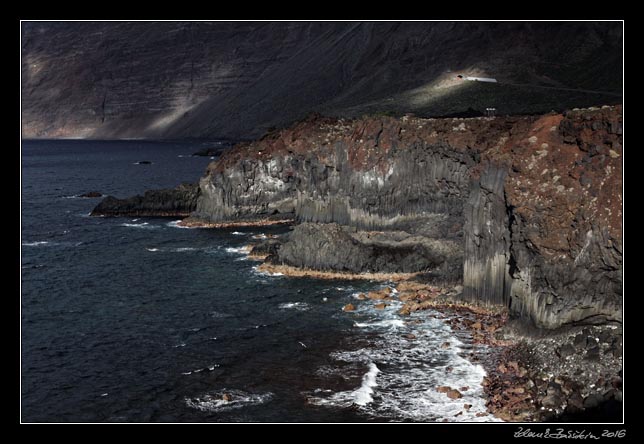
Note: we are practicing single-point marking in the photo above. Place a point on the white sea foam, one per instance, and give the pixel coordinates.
(213, 402)
(362, 395)
(238, 250)
(51, 244)
(175, 224)
(392, 323)
(183, 249)
(238, 233)
(152, 249)
(143, 225)
(299, 306)
(259, 272)
(411, 368)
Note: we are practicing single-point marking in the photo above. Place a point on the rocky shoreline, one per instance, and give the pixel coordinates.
(190, 222)
(291, 271)
(532, 375)
(509, 226)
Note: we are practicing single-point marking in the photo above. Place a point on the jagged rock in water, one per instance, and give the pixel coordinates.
(177, 202)
(267, 247)
(91, 194)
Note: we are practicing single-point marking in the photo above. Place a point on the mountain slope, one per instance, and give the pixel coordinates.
(238, 79)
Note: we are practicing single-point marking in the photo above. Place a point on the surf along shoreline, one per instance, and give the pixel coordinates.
(477, 323)
(517, 387)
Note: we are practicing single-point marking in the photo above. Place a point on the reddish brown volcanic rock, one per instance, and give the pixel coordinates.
(525, 210)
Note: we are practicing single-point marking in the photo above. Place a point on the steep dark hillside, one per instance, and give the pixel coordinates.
(223, 79)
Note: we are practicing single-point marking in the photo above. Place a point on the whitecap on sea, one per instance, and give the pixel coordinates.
(362, 395)
(299, 306)
(214, 402)
(175, 224)
(239, 250)
(259, 272)
(51, 244)
(405, 363)
(35, 244)
(391, 323)
(143, 225)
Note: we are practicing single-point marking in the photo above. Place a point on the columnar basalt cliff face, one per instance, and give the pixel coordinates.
(530, 208)
(362, 174)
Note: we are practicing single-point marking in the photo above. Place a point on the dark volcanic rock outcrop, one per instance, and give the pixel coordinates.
(91, 194)
(530, 206)
(214, 150)
(340, 248)
(238, 79)
(177, 202)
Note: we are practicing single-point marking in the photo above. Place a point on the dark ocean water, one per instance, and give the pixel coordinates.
(136, 320)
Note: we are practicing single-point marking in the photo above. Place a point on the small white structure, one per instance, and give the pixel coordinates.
(477, 79)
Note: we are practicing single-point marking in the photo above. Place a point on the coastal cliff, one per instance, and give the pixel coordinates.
(528, 207)
(518, 216)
